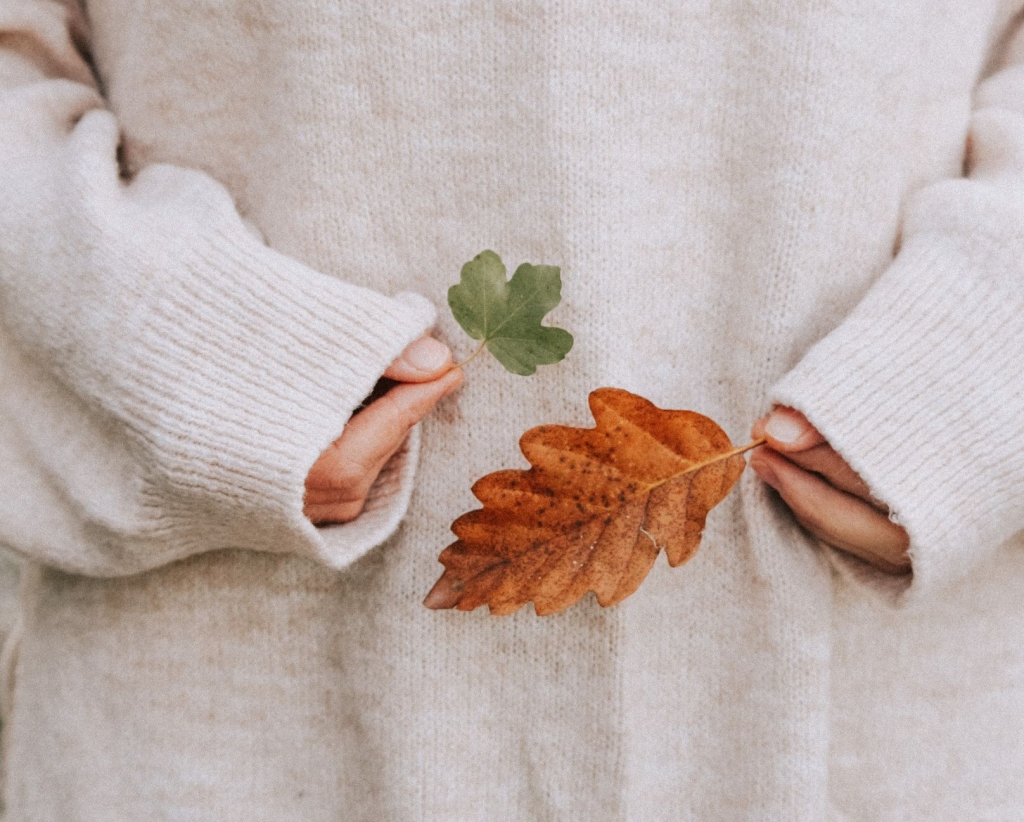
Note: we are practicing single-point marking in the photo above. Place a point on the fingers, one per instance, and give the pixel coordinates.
(823, 460)
(339, 481)
(789, 432)
(836, 517)
(424, 359)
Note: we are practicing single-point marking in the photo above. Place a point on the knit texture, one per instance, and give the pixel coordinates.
(216, 426)
(220, 222)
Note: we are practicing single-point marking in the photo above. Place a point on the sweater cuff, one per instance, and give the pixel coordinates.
(920, 391)
(236, 412)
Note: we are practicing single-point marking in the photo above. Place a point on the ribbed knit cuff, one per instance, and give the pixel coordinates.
(921, 391)
(235, 410)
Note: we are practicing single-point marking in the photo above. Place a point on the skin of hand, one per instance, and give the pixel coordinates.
(340, 479)
(825, 494)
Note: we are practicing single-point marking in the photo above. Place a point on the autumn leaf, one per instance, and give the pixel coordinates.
(506, 315)
(593, 511)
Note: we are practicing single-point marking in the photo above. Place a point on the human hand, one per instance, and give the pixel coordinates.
(339, 481)
(825, 494)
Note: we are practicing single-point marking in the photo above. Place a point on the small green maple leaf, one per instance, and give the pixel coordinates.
(505, 315)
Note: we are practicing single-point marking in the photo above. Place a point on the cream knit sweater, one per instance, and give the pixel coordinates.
(724, 185)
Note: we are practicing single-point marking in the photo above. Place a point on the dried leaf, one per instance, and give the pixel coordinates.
(506, 315)
(592, 512)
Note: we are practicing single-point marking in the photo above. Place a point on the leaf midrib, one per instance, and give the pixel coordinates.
(490, 336)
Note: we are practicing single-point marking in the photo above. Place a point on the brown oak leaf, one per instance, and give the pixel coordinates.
(592, 512)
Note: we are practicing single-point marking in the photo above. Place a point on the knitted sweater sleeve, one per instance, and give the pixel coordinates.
(921, 389)
(167, 379)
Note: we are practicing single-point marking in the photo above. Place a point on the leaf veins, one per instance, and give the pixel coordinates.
(505, 315)
(592, 512)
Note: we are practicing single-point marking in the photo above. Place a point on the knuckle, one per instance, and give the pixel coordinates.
(409, 417)
(809, 512)
(348, 511)
(403, 413)
(314, 514)
(339, 512)
(348, 476)
(813, 519)
(816, 530)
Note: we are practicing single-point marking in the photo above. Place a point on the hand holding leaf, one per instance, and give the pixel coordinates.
(598, 504)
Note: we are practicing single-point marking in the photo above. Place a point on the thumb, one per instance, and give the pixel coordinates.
(787, 430)
(423, 360)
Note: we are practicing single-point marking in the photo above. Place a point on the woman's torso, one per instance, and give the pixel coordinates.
(720, 183)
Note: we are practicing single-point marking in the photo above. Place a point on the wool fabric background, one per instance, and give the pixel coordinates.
(220, 221)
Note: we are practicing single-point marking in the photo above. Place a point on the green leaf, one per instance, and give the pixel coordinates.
(505, 315)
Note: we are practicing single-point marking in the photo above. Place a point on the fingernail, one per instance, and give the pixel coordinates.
(784, 427)
(426, 354)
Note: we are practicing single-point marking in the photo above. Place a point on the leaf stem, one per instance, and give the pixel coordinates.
(750, 446)
(471, 357)
(732, 452)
